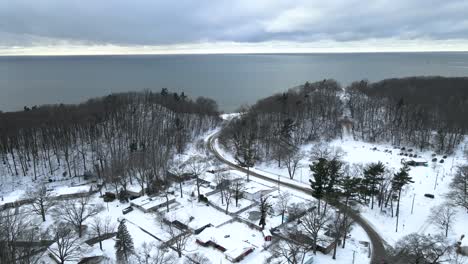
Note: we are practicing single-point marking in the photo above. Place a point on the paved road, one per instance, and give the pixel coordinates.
(378, 249)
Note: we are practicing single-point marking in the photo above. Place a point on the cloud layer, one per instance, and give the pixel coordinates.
(41, 23)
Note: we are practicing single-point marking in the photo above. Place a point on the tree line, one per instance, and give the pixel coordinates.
(424, 112)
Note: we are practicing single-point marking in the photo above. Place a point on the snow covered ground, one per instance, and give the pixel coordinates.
(434, 179)
(148, 227)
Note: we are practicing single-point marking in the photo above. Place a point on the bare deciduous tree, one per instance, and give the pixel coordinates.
(282, 204)
(197, 258)
(197, 165)
(76, 212)
(178, 238)
(288, 252)
(443, 216)
(292, 159)
(42, 200)
(66, 246)
(416, 249)
(101, 227)
(314, 222)
(150, 253)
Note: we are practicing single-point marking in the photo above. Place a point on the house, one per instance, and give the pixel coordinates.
(134, 192)
(325, 244)
(236, 240)
(253, 191)
(149, 204)
(210, 237)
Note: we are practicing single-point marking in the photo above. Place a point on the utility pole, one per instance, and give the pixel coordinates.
(354, 253)
(412, 205)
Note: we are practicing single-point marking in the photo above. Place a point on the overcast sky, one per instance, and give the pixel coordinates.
(201, 26)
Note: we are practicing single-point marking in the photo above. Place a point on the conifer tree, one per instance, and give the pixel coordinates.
(400, 179)
(373, 177)
(319, 179)
(123, 243)
(349, 188)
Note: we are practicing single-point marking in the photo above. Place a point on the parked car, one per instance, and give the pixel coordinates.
(429, 195)
(127, 210)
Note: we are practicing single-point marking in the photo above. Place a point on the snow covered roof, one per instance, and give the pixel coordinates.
(236, 252)
(146, 202)
(266, 232)
(234, 237)
(72, 190)
(253, 187)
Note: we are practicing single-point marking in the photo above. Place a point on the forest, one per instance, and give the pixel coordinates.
(112, 136)
(419, 112)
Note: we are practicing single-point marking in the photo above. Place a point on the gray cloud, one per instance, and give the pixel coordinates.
(149, 22)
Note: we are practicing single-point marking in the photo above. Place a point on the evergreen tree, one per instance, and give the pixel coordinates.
(400, 179)
(320, 179)
(372, 178)
(349, 189)
(335, 174)
(123, 243)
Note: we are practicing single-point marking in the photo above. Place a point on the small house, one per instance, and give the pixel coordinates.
(267, 235)
(150, 204)
(253, 191)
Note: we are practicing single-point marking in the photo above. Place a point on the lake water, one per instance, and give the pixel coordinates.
(232, 80)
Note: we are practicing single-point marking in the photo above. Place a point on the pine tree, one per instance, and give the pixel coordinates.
(349, 189)
(372, 177)
(400, 179)
(335, 174)
(123, 243)
(320, 179)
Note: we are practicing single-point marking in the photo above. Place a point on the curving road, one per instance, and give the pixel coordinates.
(378, 249)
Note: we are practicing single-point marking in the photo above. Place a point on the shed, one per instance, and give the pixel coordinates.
(267, 234)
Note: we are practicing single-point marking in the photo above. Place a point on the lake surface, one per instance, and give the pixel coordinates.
(232, 80)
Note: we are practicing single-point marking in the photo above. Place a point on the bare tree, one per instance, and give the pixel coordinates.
(443, 216)
(67, 245)
(76, 212)
(238, 188)
(459, 188)
(314, 222)
(227, 190)
(101, 227)
(178, 170)
(288, 252)
(42, 200)
(178, 239)
(14, 227)
(197, 165)
(150, 253)
(282, 204)
(292, 159)
(416, 249)
(197, 258)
